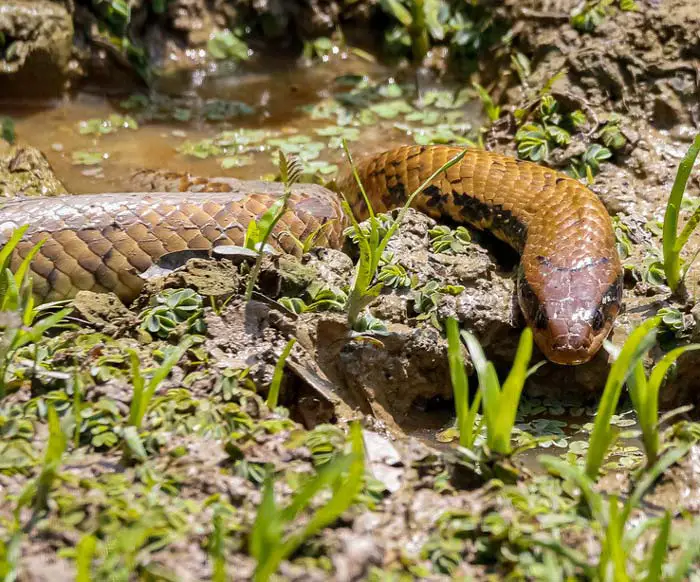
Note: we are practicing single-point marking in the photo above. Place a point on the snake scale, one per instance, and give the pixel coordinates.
(569, 277)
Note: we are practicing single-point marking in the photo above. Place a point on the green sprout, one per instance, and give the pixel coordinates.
(673, 243)
(274, 393)
(259, 230)
(272, 539)
(466, 413)
(21, 321)
(500, 403)
(145, 388)
(644, 393)
(639, 342)
(365, 287)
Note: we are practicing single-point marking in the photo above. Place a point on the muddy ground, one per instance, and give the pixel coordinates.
(156, 510)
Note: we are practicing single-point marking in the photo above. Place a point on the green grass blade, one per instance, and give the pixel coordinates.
(512, 389)
(274, 392)
(7, 250)
(399, 219)
(658, 552)
(84, 552)
(460, 384)
(356, 175)
(267, 528)
(613, 543)
(637, 345)
(671, 250)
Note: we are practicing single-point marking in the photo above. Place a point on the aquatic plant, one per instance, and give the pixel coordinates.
(604, 432)
(673, 243)
(373, 240)
(270, 541)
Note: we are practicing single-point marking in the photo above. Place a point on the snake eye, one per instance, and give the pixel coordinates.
(598, 320)
(541, 318)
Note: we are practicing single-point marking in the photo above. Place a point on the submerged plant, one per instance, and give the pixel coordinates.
(272, 538)
(673, 243)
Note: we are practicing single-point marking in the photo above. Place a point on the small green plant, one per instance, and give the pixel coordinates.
(466, 413)
(419, 18)
(7, 129)
(427, 299)
(172, 308)
(604, 432)
(592, 14)
(145, 388)
(619, 559)
(673, 243)
(20, 319)
(36, 493)
(364, 287)
(273, 539)
(500, 403)
(259, 230)
(317, 296)
(644, 393)
(274, 393)
(394, 275)
(225, 45)
(493, 111)
(443, 239)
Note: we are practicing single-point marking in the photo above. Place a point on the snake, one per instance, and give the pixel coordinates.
(568, 282)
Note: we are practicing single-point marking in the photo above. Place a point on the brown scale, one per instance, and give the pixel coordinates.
(569, 281)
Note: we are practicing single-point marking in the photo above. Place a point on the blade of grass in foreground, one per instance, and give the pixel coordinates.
(644, 394)
(500, 405)
(466, 414)
(672, 243)
(637, 345)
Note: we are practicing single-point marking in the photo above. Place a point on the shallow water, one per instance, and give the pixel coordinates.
(289, 102)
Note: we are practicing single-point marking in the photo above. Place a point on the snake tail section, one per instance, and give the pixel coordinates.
(102, 242)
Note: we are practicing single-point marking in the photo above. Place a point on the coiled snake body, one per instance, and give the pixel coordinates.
(569, 279)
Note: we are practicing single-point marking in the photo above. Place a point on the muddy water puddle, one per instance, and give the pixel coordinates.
(234, 125)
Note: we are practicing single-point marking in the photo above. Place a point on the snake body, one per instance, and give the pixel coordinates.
(569, 278)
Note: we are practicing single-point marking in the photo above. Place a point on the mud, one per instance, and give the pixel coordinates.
(35, 55)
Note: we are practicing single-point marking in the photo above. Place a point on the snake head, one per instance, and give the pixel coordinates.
(570, 309)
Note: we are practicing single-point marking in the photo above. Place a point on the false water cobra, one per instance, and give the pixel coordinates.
(569, 279)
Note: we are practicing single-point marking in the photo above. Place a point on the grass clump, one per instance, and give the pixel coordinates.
(673, 243)
(644, 393)
(500, 403)
(373, 241)
(268, 542)
(20, 319)
(466, 413)
(604, 433)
